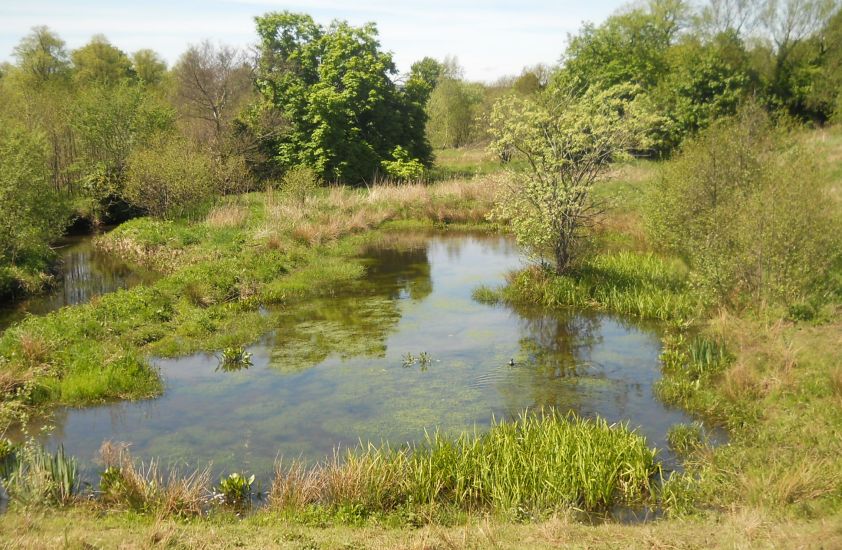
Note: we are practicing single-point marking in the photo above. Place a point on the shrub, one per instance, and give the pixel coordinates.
(744, 205)
(300, 183)
(235, 490)
(403, 167)
(169, 180)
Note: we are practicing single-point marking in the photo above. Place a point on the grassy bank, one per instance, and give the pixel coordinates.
(81, 528)
(534, 467)
(257, 249)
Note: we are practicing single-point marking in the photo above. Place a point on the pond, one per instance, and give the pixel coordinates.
(335, 371)
(83, 273)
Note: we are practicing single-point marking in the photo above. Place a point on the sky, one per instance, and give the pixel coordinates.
(490, 38)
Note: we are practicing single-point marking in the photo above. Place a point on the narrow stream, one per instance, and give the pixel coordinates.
(334, 371)
(83, 273)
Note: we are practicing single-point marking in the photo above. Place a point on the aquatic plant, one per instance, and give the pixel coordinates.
(541, 462)
(234, 358)
(409, 360)
(686, 438)
(235, 490)
(38, 477)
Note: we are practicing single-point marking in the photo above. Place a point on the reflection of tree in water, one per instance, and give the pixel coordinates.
(400, 272)
(357, 321)
(552, 362)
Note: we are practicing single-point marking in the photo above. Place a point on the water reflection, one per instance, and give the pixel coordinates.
(83, 273)
(332, 372)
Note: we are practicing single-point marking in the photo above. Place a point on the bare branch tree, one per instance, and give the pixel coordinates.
(212, 82)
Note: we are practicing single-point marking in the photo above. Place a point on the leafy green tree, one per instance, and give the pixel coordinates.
(705, 81)
(334, 87)
(108, 123)
(42, 56)
(453, 109)
(568, 140)
(32, 212)
(148, 66)
(628, 48)
(101, 63)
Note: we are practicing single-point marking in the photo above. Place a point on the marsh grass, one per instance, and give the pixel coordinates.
(540, 463)
(143, 488)
(36, 477)
(630, 283)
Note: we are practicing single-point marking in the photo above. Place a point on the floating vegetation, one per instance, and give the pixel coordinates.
(423, 360)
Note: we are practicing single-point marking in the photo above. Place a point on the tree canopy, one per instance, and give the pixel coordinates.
(334, 86)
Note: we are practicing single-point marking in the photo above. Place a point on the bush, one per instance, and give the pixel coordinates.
(32, 213)
(170, 180)
(299, 183)
(403, 168)
(744, 205)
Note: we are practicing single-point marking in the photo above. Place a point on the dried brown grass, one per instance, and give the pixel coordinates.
(143, 488)
(228, 215)
(340, 210)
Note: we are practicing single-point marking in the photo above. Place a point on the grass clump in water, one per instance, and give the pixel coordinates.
(539, 463)
(631, 283)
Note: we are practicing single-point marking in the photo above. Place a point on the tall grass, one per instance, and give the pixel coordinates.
(38, 477)
(144, 488)
(630, 283)
(539, 463)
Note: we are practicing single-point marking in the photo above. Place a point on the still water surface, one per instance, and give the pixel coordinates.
(83, 273)
(333, 372)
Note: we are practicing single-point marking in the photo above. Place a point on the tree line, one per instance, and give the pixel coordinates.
(99, 134)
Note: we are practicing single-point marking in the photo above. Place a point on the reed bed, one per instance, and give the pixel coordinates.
(541, 463)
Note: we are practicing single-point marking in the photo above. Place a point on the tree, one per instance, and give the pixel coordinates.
(453, 109)
(705, 81)
(42, 56)
(745, 206)
(148, 66)
(108, 123)
(32, 212)
(334, 88)
(101, 63)
(212, 84)
(568, 140)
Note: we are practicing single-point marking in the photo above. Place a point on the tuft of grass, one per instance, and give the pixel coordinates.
(684, 439)
(142, 488)
(227, 215)
(36, 477)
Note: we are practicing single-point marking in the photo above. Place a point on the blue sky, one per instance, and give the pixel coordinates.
(491, 38)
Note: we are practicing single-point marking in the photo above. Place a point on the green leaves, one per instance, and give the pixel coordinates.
(334, 87)
(568, 140)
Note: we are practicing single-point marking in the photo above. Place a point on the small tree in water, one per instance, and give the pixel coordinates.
(568, 140)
